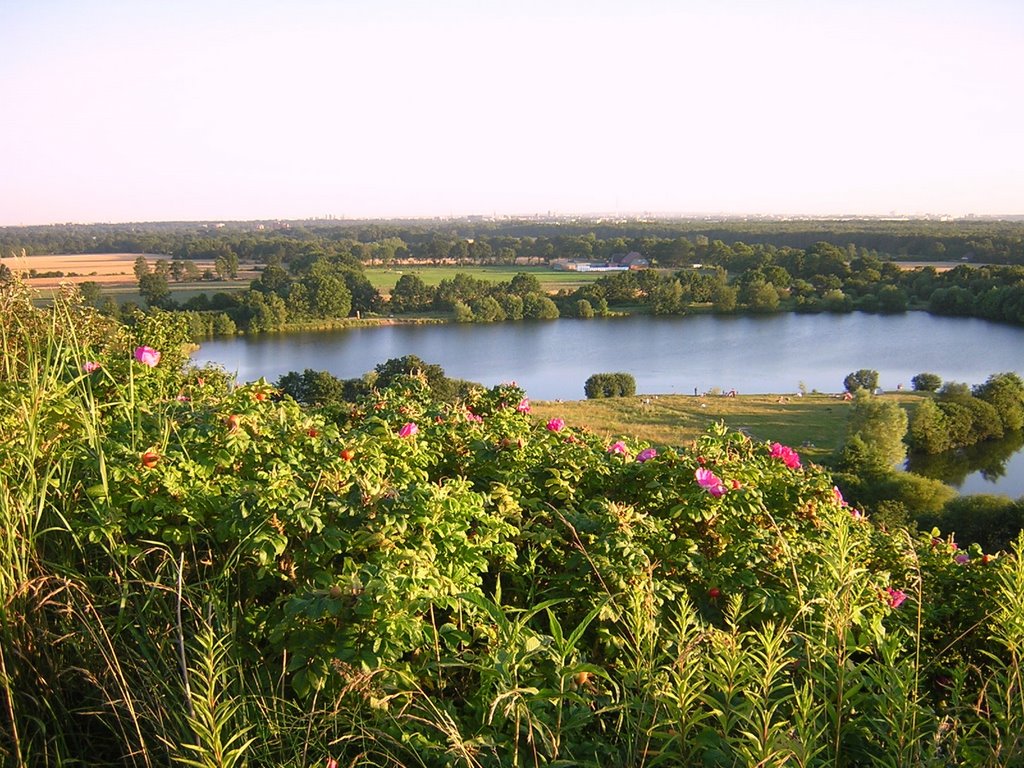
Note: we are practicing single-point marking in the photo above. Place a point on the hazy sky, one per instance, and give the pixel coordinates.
(150, 110)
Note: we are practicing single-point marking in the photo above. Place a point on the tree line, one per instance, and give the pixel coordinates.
(667, 242)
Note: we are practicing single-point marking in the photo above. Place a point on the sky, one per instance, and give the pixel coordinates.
(143, 110)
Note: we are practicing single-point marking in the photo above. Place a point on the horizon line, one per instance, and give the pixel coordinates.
(556, 216)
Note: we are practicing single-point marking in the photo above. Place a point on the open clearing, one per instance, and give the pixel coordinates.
(814, 424)
(551, 280)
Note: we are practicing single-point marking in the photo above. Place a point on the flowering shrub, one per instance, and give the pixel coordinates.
(147, 356)
(495, 585)
(786, 455)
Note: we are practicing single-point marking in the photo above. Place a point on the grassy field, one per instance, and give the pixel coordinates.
(815, 424)
(384, 279)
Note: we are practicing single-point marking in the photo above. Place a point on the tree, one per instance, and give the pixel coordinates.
(153, 288)
(410, 294)
(365, 298)
(584, 309)
(90, 292)
(1005, 391)
(865, 378)
(328, 296)
(602, 385)
(141, 267)
(410, 365)
(926, 382)
(487, 310)
(929, 430)
(226, 263)
(668, 299)
(892, 299)
(724, 297)
(259, 313)
(538, 307)
(312, 387)
(524, 283)
(512, 304)
(192, 273)
(881, 425)
(273, 279)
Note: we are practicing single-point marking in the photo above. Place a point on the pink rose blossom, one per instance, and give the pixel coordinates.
(524, 405)
(617, 447)
(896, 597)
(710, 482)
(147, 356)
(645, 454)
(408, 430)
(789, 457)
(556, 425)
(90, 366)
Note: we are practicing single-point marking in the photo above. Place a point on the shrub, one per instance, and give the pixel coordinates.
(197, 572)
(610, 385)
(992, 522)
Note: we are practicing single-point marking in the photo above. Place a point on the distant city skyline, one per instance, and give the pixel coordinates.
(121, 111)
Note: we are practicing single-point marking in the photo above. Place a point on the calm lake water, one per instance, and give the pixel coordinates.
(769, 354)
(552, 360)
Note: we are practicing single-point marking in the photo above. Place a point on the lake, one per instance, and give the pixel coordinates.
(552, 360)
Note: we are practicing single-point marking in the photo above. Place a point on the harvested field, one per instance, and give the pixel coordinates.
(107, 269)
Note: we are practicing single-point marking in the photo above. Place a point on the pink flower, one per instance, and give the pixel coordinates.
(789, 457)
(408, 429)
(645, 454)
(617, 447)
(90, 366)
(856, 514)
(182, 398)
(839, 496)
(472, 418)
(556, 425)
(524, 406)
(710, 482)
(962, 558)
(147, 356)
(896, 597)
(332, 763)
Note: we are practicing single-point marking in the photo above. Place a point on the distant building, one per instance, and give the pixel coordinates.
(631, 260)
(566, 265)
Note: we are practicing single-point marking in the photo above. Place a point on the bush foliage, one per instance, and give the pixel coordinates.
(197, 571)
(610, 385)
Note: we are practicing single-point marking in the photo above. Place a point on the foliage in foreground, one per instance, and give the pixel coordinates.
(210, 575)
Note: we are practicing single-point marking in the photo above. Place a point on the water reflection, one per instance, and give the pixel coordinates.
(989, 467)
